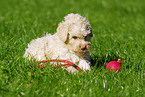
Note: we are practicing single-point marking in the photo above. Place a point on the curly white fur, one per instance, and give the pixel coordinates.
(70, 42)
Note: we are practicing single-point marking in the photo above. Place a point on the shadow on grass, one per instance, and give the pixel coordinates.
(99, 61)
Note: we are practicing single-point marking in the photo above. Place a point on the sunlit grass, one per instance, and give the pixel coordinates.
(118, 32)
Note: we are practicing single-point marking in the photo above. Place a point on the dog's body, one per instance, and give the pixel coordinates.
(71, 42)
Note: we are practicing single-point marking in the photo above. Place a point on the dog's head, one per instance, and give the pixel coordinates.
(75, 31)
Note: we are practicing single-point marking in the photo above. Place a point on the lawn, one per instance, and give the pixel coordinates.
(118, 32)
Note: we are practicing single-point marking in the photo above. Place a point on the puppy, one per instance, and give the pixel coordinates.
(70, 42)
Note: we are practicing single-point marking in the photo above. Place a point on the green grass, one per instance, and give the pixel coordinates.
(119, 31)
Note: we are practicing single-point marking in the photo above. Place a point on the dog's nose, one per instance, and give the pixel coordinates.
(86, 47)
(83, 48)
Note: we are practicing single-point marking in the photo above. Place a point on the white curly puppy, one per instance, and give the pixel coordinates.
(70, 42)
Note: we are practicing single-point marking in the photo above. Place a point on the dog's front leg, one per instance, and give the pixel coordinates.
(84, 64)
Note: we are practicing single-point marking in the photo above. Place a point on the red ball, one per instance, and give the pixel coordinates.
(114, 66)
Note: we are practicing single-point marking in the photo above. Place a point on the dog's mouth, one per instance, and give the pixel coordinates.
(83, 49)
(81, 52)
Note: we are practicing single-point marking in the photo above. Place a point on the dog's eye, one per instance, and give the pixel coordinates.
(87, 38)
(74, 37)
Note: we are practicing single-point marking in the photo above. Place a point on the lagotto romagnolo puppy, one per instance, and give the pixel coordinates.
(70, 42)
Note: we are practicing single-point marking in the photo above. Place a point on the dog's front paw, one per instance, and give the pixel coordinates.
(83, 64)
(72, 69)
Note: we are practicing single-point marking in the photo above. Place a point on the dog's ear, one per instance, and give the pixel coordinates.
(63, 32)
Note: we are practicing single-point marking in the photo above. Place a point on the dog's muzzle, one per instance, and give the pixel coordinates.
(85, 48)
